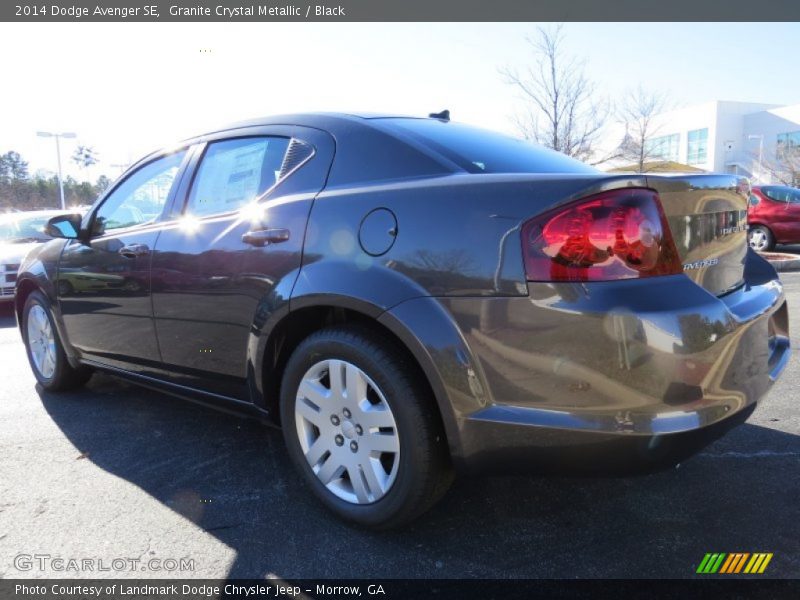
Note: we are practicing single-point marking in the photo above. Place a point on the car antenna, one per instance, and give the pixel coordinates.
(442, 116)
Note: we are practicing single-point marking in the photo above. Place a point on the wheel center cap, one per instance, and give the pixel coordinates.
(349, 430)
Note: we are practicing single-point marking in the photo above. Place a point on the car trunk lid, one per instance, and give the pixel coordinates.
(707, 216)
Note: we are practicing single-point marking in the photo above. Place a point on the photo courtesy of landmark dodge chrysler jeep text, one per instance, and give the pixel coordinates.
(411, 297)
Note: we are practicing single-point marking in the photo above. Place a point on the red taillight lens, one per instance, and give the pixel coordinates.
(620, 234)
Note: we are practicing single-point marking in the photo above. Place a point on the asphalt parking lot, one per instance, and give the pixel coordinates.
(116, 471)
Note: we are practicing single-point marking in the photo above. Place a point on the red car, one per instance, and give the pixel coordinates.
(774, 216)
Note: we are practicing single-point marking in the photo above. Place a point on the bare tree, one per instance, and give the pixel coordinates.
(784, 166)
(562, 109)
(638, 112)
(454, 261)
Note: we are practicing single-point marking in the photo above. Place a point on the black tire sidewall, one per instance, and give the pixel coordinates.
(384, 371)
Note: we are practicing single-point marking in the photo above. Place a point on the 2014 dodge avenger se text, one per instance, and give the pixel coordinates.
(410, 297)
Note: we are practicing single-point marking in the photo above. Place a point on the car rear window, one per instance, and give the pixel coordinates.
(481, 151)
(781, 193)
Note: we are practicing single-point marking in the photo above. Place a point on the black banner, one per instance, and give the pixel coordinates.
(392, 589)
(401, 10)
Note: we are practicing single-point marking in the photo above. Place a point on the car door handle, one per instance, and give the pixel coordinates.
(134, 250)
(262, 237)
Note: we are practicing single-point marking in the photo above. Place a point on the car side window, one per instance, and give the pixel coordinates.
(782, 194)
(754, 200)
(235, 172)
(140, 199)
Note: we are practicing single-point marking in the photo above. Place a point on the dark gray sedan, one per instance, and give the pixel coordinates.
(409, 297)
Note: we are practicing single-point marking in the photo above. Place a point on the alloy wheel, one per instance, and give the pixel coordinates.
(758, 239)
(347, 431)
(41, 341)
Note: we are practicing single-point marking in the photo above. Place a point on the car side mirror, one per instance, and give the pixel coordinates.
(64, 226)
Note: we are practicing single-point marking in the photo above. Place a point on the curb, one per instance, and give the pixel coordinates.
(786, 265)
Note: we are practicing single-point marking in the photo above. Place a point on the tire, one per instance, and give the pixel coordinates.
(760, 238)
(395, 487)
(64, 288)
(131, 285)
(51, 369)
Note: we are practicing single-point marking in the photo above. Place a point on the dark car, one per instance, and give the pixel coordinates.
(774, 216)
(410, 297)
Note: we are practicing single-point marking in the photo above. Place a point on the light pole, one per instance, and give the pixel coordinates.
(760, 138)
(58, 136)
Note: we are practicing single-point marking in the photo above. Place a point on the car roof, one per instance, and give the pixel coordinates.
(329, 121)
(335, 123)
(325, 116)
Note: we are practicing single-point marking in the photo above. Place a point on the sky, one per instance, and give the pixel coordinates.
(126, 89)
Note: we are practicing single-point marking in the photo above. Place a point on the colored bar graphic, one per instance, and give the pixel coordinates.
(765, 563)
(741, 562)
(758, 563)
(727, 564)
(717, 564)
(720, 562)
(703, 564)
(753, 562)
(734, 563)
(711, 563)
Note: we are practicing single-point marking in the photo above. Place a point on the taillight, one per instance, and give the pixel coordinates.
(619, 234)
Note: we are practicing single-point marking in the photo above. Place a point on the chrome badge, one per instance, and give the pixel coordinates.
(699, 264)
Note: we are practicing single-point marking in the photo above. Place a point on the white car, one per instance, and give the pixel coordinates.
(20, 232)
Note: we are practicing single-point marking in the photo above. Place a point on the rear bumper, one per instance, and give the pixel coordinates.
(616, 376)
(504, 447)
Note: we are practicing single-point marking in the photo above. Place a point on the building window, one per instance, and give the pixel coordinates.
(788, 144)
(697, 150)
(665, 147)
(791, 138)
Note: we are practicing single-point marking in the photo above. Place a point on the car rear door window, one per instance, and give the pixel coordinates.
(235, 172)
(782, 194)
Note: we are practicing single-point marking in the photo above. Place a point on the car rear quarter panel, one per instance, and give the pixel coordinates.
(457, 237)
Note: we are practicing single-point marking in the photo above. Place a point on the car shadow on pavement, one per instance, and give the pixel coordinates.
(232, 478)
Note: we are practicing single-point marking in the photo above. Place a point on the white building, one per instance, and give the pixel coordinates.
(721, 136)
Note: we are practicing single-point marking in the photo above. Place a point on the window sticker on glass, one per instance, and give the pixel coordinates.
(229, 176)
